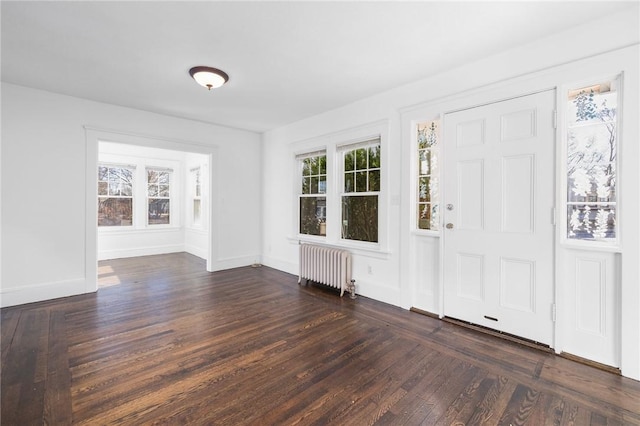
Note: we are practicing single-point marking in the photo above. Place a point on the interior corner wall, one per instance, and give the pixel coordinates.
(43, 205)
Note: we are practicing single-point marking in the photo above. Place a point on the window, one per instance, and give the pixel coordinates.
(158, 196)
(197, 197)
(361, 186)
(115, 196)
(428, 209)
(591, 162)
(312, 198)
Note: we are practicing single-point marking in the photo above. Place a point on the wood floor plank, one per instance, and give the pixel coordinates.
(165, 342)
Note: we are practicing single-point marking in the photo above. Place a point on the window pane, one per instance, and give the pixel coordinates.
(322, 185)
(374, 180)
(115, 211)
(424, 194)
(591, 222)
(349, 162)
(322, 162)
(103, 173)
(197, 214)
(349, 182)
(374, 157)
(152, 176)
(103, 188)
(361, 158)
(153, 190)
(424, 216)
(424, 160)
(591, 162)
(306, 185)
(361, 181)
(164, 190)
(198, 191)
(158, 211)
(163, 178)
(305, 167)
(313, 215)
(313, 165)
(125, 189)
(360, 218)
(314, 185)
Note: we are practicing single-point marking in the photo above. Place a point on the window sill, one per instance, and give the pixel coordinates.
(360, 249)
(130, 230)
(591, 246)
(426, 233)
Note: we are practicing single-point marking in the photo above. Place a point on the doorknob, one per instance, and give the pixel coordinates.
(449, 225)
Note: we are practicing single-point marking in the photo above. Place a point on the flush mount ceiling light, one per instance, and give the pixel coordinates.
(211, 78)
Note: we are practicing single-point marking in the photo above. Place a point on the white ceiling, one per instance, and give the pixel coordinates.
(286, 60)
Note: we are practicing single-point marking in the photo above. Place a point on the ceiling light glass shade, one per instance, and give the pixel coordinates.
(211, 78)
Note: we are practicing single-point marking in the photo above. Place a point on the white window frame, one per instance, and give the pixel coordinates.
(415, 175)
(331, 143)
(342, 150)
(601, 245)
(195, 181)
(171, 173)
(132, 197)
(299, 167)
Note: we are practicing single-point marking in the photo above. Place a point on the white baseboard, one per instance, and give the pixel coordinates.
(235, 262)
(280, 265)
(140, 251)
(196, 251)
(44, 291)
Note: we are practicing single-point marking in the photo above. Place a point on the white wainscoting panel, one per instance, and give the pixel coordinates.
(590, 306)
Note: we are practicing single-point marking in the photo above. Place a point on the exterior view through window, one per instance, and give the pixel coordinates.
(428, 209)
(312, 198)
(158, 197)
(197, 197)
(591, 162)
(361, 186)
(115, 196)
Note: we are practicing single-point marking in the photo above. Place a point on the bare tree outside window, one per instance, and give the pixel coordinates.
(159, 197)
(591, 162)
(115, 196)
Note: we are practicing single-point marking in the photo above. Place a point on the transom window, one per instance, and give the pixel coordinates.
(115, 196)
(361, 186)
(592, 139)
(312, 198)
(159, 196)
(427, 185)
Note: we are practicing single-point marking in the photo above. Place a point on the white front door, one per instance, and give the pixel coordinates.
(499, 235)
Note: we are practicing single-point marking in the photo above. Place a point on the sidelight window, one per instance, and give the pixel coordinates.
(427, 185)
(591, 161)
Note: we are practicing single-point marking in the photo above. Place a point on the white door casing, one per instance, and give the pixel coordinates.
(498, 214)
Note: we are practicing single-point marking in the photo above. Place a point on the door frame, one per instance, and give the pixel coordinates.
(93, 137)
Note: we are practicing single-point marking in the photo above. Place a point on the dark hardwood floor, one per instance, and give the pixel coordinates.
(164, 342)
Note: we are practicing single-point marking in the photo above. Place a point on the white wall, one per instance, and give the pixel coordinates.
(408, 272)
(44, 162)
